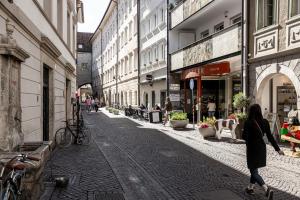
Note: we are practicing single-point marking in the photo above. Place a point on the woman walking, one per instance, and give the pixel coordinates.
(254, 130)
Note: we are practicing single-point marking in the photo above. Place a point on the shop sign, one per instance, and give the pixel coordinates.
(192, 84)
(175, 97)
(216, 69)
(175, 87)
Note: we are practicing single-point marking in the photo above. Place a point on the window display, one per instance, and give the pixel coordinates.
(286, 101)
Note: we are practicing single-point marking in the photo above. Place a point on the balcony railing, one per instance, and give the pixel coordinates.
(186, 9)
(220, 44)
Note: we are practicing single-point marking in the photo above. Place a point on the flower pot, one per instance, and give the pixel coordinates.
(179, 123)
(207, 132)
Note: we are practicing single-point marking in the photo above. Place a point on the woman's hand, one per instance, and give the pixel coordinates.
(280, 153)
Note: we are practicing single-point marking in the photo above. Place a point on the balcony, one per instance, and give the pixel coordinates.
(225, 42)
(186, 9)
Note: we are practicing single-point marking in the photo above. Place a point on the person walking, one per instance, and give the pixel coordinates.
(88, 104)
(93, 103)
(96, 104)
(211, 108)
(255, 128)
(168, 108)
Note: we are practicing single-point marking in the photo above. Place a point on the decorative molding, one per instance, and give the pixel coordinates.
(11, 49)
(70, 68)
(266, 43)
(48, 46)
(293, 33)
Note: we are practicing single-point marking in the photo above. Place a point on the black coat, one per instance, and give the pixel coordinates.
(256, 147)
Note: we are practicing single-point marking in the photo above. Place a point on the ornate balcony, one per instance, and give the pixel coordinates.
(225, 42)
(186, 9)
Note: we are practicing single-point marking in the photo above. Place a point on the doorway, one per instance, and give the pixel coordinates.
(45, 103)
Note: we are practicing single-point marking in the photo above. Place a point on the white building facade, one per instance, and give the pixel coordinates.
(46, 31)
(153, 52)
(115, 55)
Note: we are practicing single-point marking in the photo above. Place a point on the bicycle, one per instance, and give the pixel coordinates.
(75, 132)
(13, 181)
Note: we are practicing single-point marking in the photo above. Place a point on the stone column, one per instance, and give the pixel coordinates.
(11, 57)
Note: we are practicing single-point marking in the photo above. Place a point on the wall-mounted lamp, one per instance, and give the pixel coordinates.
(226, 14)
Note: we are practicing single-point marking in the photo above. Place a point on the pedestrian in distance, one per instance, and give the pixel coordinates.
(211, 108)
(255, 128)
(96, 104)
(168, 108)
(93, 103)
(88, 102)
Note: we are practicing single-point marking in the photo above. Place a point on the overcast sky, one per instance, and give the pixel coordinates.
(93, 13)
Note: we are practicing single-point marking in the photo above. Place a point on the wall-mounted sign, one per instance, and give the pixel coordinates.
(174, 97)
(175, 87)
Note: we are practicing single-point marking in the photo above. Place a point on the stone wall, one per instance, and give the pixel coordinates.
(84, 68)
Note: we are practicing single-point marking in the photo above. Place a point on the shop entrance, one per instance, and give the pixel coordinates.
(279, 96)
(213, 91)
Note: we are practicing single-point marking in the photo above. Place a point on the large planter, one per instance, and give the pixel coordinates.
(207, 132)
(179, 123)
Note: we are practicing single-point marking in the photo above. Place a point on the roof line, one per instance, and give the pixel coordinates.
(111, 1)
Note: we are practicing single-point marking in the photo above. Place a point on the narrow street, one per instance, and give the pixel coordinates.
(127, 160)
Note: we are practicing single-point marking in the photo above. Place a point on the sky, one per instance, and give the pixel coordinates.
(93, 13)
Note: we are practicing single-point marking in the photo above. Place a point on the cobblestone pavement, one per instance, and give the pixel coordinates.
(148, 161)
(182, 166)
(90, 175)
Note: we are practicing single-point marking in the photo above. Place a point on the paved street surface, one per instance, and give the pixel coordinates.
(138, 160)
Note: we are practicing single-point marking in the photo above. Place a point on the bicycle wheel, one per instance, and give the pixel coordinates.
(63, 137)
(8, 194)
(84, 136)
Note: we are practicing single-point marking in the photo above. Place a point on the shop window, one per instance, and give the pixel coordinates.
(219, 27)
(266, 13)
(153, 99)
(294, 7)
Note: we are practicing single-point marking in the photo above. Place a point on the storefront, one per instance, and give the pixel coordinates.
(217, 82)
(277, 87)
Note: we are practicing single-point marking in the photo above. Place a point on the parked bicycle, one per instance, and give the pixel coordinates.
(76, 133)
(12, 182)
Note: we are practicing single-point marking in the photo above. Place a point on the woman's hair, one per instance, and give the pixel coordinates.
(255, 113)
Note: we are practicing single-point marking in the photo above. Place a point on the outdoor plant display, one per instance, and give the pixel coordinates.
(116, 111)
(179, 120)
(240, 102)
(110, 109)
(207, 127)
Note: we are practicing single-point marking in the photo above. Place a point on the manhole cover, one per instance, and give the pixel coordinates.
(109, 196)
(219, 195)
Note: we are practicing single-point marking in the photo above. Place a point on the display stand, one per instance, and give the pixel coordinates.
(286, 100)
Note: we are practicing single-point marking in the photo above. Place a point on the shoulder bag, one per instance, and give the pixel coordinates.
(264, 135)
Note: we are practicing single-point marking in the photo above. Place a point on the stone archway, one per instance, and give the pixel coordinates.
(265, 75)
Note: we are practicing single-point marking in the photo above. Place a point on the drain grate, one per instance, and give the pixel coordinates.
(109, 196)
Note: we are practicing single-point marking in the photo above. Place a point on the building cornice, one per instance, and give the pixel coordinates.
(48, 46)
(53, 27)
(9, 47)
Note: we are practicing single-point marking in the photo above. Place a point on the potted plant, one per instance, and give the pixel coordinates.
(178, 120)
(110, 110)
(240, 102)
(207, 127)
(116, 111)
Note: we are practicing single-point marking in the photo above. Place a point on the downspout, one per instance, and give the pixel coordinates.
(101, 65)
(168, 56)
(139, 53)
(244, 53)
(117, 68)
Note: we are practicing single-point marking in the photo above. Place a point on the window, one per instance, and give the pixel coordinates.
(162, 52)
(294, 7)
(219, 27)
(153, 98)
(155, 20)
(130, 30)
(162, 15)
(155, 54)
(204, 34)
(60, 17)
(80, 46)
(266, 13)
(150, 57)
(236, 19)
(130, 63)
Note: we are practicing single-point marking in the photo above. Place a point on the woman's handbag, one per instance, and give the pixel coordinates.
(264, 135)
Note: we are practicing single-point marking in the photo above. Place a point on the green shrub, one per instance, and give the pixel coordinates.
(240, 101)
(116, 111)
(179, 116)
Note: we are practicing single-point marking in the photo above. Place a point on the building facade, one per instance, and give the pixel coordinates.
(153, 53)
(274, 60)
(115, 55)
(84, 59)
(205, 40)
(43, 35)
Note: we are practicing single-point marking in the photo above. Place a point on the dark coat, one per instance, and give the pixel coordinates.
(256, 147)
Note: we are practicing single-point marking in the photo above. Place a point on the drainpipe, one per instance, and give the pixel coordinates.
(168, 56)
(139, 49)
(116, 76)
(244, 53)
